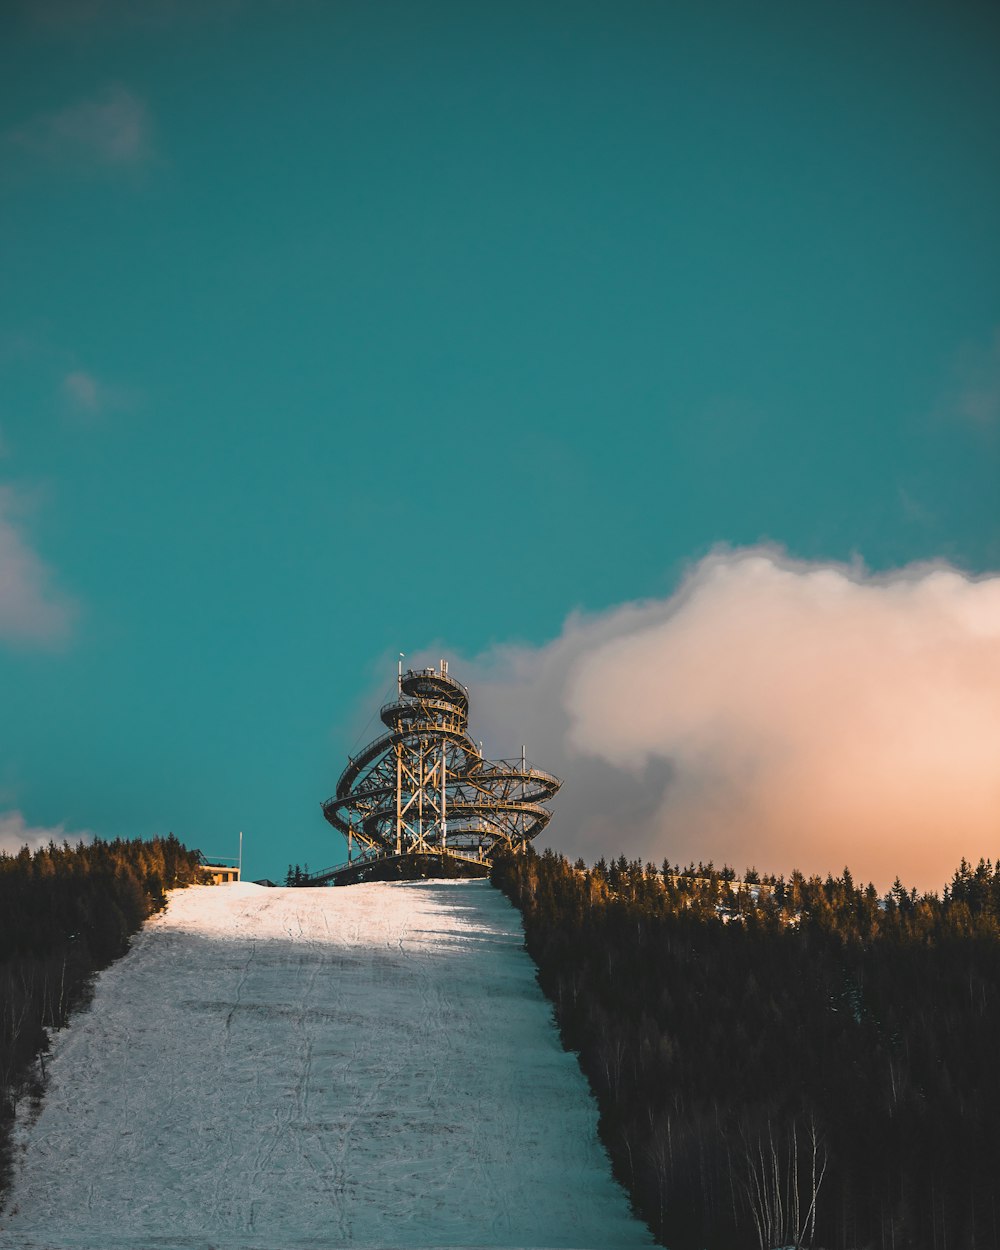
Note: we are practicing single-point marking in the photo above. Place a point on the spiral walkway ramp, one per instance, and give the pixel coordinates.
(424, 790)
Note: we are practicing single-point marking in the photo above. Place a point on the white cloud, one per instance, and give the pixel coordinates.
(82, 390)
(771, 712)
(978, 397)
(86, 395)
(109, 129)
(15, 832)
(32, 610)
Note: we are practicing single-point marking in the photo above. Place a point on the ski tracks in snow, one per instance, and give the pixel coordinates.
(371, 1066)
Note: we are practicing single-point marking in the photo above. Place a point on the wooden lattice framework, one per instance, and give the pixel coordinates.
(424, 788)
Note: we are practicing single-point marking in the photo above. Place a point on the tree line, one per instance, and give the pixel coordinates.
(781, 1062)
(65, 913)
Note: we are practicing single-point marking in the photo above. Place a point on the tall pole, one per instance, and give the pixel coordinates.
(241, 856)
(399, 763)
(399, 797)
(421, 748)
(444, 794)
(524, 769)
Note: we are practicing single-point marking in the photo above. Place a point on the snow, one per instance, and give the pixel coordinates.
(367, 1066)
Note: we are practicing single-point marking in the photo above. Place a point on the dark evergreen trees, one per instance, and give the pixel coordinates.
(66, 912)
(781, 1062)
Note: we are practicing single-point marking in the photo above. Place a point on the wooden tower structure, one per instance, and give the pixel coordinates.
(423, 789)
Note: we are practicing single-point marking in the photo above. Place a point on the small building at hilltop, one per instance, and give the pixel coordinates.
(218, 869)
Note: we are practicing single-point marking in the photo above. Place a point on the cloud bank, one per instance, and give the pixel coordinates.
(15, 832)
(772, 713)
(32, 610)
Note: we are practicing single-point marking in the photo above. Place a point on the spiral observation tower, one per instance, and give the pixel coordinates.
(423, 794)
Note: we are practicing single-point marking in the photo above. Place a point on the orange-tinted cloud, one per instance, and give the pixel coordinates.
(771, 712)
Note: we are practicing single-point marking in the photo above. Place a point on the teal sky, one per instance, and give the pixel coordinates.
(329, 331)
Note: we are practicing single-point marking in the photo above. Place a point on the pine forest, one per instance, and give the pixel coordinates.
(65, 913)
(781, 1062)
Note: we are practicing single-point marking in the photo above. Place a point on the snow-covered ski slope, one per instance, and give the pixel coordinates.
(370, 1066)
